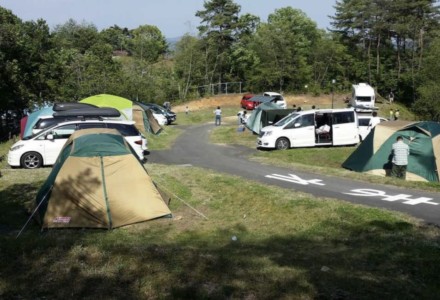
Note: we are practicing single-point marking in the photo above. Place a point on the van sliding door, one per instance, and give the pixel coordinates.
(344, 127)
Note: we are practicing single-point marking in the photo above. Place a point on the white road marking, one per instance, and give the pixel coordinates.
(391, 198)
(295, 179)
(406, 199)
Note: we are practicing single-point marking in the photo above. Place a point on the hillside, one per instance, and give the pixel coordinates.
(305, 101)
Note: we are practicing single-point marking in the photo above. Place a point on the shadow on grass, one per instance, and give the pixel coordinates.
(375, 259)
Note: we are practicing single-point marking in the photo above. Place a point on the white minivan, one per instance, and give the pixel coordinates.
(42, 149)
(310, 128)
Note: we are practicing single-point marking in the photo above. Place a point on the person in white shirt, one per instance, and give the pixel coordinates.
(244, 117)
(373, 121)
(218, 116)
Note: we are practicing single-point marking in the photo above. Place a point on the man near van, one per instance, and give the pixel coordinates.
(400, 152)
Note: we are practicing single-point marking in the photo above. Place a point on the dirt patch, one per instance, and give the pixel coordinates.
(305, 101)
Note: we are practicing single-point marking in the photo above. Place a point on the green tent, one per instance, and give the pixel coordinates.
(374, 154)
(265, 114)
(105, 100)
(98, 182)
(130, 110)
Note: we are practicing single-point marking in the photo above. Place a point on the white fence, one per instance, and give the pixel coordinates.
(220, 88)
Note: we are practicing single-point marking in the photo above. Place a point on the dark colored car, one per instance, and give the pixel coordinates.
(171, 116)
(246, 103)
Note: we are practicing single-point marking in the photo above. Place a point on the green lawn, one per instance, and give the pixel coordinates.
(288, 245)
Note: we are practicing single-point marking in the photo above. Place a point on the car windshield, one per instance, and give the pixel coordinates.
(286, 120)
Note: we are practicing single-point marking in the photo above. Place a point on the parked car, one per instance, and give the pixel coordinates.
(42, 149)
(246, 103)
(311, 128)
(363, 122)
(278, 99)
(157, 109)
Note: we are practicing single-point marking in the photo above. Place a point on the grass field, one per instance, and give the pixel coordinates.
(256, 242)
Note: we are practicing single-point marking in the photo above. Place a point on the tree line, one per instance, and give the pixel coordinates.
(391, 44)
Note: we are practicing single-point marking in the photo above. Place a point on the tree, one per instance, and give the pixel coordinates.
(117, 37)
(221, 29)
(427, 105)
(388, 39)
(187, 64)
(73, 35)
(148, 43)
(283, 46)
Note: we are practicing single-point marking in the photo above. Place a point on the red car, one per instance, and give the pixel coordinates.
(246, 103)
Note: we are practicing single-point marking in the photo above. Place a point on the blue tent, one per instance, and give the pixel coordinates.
(33, 119)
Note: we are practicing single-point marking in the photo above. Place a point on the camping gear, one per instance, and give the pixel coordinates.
(373, 155)
(265, 114)
(71, 105)
(107, 112)
(97, 182)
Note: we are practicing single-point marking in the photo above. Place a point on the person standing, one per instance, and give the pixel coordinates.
(391, 114)
(244, 117)
(373, 121)
(400, 152)
(218, 116)
(391, 97)
(396, 115)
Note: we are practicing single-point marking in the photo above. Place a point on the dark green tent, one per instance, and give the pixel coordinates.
(374, 154)
(264, 115)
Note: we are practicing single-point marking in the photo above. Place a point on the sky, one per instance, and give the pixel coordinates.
(174, 18)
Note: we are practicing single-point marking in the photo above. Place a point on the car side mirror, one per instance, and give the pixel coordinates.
(49, 137)
(297, 125)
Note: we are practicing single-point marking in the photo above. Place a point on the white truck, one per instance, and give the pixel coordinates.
(311, 128)
(363, 97)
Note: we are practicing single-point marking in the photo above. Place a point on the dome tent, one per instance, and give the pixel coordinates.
(374, 154)
(97, 182)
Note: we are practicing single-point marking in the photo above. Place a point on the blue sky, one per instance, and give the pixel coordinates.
(173, 17)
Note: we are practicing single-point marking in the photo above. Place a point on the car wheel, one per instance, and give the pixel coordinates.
(31, 160)
(282, 144)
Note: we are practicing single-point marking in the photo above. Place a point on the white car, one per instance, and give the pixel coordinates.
(279, 99)
(363, 122)
(160, 118)
(42, 149)
(306, 129)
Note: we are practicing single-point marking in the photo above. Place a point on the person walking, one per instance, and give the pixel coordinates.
(218, 116)
(400, 153)
(391, 97)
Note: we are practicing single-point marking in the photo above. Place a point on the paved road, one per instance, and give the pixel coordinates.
(193, 148)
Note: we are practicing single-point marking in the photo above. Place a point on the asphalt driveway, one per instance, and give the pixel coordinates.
(192, 148)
